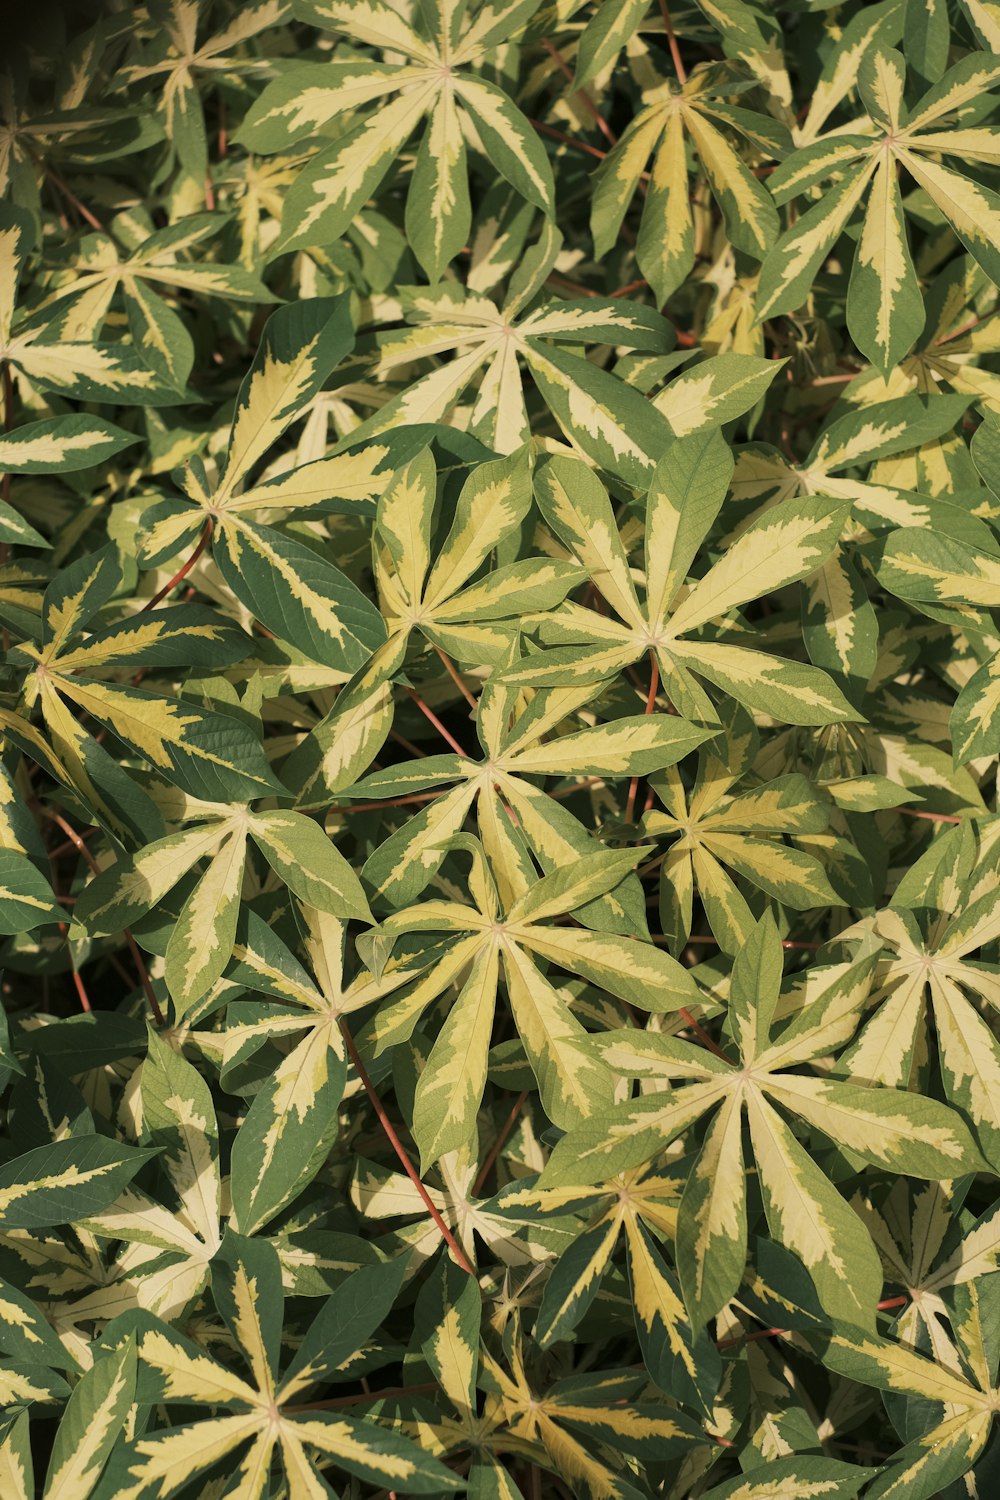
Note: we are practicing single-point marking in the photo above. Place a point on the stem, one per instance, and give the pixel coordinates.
(407, 801)
(571, 286)
(832, 379)
(390, 1392)
(71, 198)
(432, 718)
(672, 43)
(629, 287)
(78, 982)
(750, 1338)
(702, 1035)
(781, 1333)
(912, 812)
(458, 1254)
(456, 678)
(704, 937)
(78, 844)
(654, 682)
(582, 94)
(144, 979)
(8, 422)
(65, 848)
(498, 1144)
(414, 797)
(183, 572)
(967, 327)
(568, 140)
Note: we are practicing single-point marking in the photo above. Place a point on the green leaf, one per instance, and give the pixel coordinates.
(66, 1180)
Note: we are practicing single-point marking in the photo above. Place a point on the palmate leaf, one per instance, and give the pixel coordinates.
(884, 310)
(174, 59)
(168, 1247)
(957, 1411)
(123, 263)
(473, 621)
(442, 43)
(292, 1118)
(905, 1132)
(699, 109)
(921, 1248)
(951, 344)
(609, 421)
(202, 941)
(713, 830)
(212, 755)
(408, 860)
(385, 1195)
(878, 429)
(522, 713)
(293, 589)
(571, 1079)
(639, 1206)
(83, 369)
(926, 570)
(248, 1294)
(687, 492)
(941, 971)
(595, 1406)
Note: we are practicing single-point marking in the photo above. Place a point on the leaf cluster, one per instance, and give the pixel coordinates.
(499, 750)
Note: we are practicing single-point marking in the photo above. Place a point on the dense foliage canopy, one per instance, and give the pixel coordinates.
(499, 729)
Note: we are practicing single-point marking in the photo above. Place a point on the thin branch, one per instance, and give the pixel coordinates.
(966, 328)
(679, 68)
(449, 666)
(783, 1333)
(702, 1035)
(629, 288)
(654, 682)
(81, 988)
(408, 801)
(833, 379)
(571, 286)
(77, 842)
(581, 94)
(498, 1144)
(568, 140)
(458, 1254)
(706, 938)
(336, 1403)
(751, 1338)
(72, 199)
(432, 718)
(182, 572)
(8, 422)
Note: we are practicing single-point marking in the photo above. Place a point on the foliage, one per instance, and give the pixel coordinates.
(499, 733)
